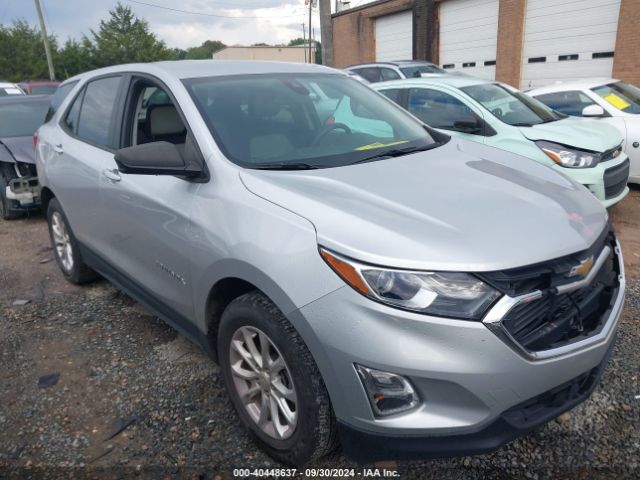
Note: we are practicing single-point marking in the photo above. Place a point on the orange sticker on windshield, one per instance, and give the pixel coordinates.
(617, 101)
(372, 146)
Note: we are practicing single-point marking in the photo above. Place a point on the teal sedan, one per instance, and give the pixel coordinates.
(500, 116)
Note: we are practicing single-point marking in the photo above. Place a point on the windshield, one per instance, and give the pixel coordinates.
(319, 120)
(621, 95)
(418, 70)
(21, 119)
(512, 108)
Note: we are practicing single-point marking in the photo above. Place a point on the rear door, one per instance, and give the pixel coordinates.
(81, 143)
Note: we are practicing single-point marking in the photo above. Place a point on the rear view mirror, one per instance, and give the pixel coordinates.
(593, 111)
(155, 158)
(467, 125)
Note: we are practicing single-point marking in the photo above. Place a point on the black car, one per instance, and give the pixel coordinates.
(20, 117)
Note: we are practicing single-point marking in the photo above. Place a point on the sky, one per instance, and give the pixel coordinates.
(279, 20)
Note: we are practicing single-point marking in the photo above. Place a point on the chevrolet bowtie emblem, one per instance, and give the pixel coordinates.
(582, 269)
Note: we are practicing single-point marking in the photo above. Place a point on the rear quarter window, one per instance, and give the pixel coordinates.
(58, 97)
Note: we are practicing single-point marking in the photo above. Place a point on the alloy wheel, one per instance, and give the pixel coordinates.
(62, 241)
(263, 382)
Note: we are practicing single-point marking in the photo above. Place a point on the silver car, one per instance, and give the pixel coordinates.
(357, 275)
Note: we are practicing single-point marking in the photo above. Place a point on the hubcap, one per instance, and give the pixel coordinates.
(263, 382)
(62, 241)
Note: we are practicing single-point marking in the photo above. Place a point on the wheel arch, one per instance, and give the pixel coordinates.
(234, 280)
(46, 195)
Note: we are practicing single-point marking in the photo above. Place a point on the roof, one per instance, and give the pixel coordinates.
(456, 81)
(24, 99)
(396, 63)
(7, 85)
(585, 84)
(37, 83)
(183, 69)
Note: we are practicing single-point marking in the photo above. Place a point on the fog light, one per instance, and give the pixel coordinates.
(388, 393)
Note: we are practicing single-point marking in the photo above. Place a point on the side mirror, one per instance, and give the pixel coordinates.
(593, 111)
(467, 125)
(155, 158)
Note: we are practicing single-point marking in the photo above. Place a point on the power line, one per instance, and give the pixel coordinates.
(210, 14)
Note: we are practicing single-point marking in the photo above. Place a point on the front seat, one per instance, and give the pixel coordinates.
(165, 125)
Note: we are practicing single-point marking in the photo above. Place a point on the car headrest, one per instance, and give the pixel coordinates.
(164, 120)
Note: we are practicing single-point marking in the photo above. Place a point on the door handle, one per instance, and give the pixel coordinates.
(58, 148)
(112, 175)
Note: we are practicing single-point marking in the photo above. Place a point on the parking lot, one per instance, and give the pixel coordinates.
(133, 396)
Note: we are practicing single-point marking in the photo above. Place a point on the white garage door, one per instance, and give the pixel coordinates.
(469, 36)
(394, 37)
(568, 39)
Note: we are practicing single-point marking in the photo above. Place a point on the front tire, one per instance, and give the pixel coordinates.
(5, 212)
(65, 247)
(274, 382)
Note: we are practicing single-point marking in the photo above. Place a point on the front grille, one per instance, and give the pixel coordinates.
(557, 319)
(611, 154)
(542, 276)
(615, 179)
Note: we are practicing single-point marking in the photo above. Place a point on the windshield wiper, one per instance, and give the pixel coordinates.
(522, 124)
(396, 152)
(285, 166)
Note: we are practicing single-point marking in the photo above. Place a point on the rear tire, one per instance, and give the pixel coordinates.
(65, 247)
(314, 432)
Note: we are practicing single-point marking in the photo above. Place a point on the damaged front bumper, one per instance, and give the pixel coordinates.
(23, 193)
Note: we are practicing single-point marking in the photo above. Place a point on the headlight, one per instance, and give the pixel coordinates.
(569, 157)
(444, 294)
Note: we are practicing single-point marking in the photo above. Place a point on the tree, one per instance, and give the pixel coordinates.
(205, 51)
(22, 55)
(73, 58)
(124, 38)
(297, 41)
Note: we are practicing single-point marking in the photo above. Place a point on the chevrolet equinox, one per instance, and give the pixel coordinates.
(360, 278)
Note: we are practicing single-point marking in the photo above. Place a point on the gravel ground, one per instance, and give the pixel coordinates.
(135, 398)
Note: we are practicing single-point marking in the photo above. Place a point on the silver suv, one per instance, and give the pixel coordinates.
(357, 275)
(385, 71)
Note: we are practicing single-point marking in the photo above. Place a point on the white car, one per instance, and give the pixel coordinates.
(609, 100)
(8, 89)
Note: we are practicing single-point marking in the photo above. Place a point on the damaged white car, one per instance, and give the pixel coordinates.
(20, 117)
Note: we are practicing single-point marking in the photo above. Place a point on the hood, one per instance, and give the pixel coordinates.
(463, 206)
(20, 147)
(580, 133)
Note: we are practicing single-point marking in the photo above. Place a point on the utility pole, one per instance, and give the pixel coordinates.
(326, 32)
(304, 37)
(45, 39)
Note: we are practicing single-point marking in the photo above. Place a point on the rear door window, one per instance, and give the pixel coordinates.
(372, 74)
(394, 94)
(96, 113)
(389, 74)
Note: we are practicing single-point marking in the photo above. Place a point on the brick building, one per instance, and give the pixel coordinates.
(527, 43)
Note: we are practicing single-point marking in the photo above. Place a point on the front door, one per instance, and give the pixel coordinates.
(146, 217)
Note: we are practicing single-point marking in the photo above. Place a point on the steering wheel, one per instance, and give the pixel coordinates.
(497, 112)
(330, 128)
